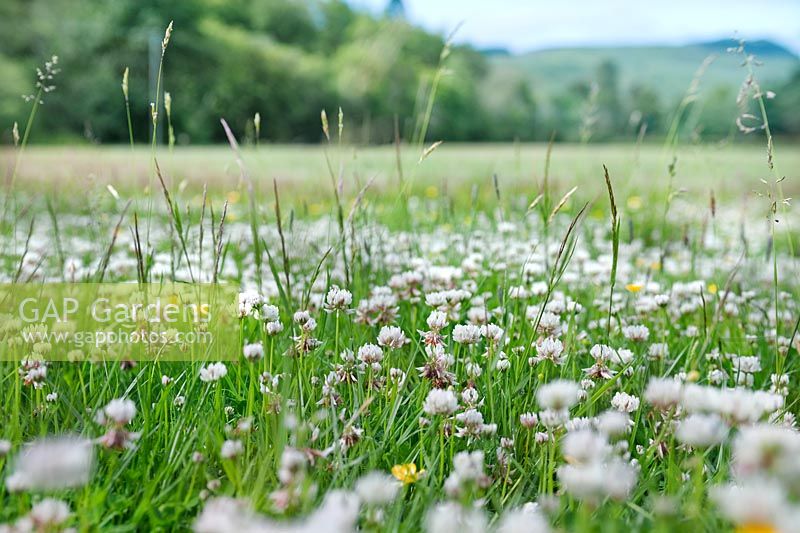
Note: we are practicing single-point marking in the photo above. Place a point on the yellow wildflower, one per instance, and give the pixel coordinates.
(634, 287)
(233, 197)
(407, 473)
(756, 528)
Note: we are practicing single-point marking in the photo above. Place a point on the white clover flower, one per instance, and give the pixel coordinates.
(779, 384)
(492, 333)
(585, 446)
(550, 349)
(549, 324)
(293, 463)
(249, 303)
(603, 353)
(49, 514)
(273, 328)
(466, 334)
(468, 465)
(435, 299)
(377, 488)
(717, 377)
(613, 423)
(747, 365)
(478, 315)
(309, 325)
(451, 517)
(473, 369)
(370, 353)
(440, 402)
(528, 420)
(523, 520)
(661, 299)
(692, 331)
(636, 333)
(33, 372)
(270, 313)
(756, 501)
(213, 372)
(302, 317)
(701, 430)
(624, 402)
(253, 351)
(736, 406)
(469, 396)
(473, 424)
(437, 320)
(231, 449)
(592, 482)
(338, 299)
(337, 514)
(223, 514)
(658, 350)
(518, 292)
(397, 376)
(663, 393)
(392, 337)
(623, 356)
(763, 449)
(121, 411)
(502, 363)
(558, 394)
(580, 423)
(52, 464)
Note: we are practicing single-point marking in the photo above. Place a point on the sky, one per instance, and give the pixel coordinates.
(521, 25)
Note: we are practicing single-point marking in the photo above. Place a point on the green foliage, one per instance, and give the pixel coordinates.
(785, 107)
(287, 60)
(10, 90)
(638, 86)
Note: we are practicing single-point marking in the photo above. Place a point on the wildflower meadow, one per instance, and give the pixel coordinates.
(580, 340)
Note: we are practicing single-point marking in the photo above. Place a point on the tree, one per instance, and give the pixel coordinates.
(645, 109)
(783, 109)
(610, 119)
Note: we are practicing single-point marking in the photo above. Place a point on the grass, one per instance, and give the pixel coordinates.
(523, 267)
(424, 341)
(729, 170)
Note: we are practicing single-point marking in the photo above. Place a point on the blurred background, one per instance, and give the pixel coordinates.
(517, 71)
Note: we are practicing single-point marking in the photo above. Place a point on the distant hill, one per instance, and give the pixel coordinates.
(759, 48)
(667, 69)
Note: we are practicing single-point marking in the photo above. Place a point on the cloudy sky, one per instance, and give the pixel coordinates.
(522, 25)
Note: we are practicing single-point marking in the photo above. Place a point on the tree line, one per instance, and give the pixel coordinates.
(287, 60)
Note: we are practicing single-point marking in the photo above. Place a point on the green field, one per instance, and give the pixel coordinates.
(484, 340)
(248, 283)
(729, 170)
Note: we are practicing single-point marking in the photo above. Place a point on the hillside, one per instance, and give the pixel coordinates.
(667, 69)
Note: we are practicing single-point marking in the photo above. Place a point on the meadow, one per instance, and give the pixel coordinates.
(730, 170)
(455, 351)
(418, 336)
